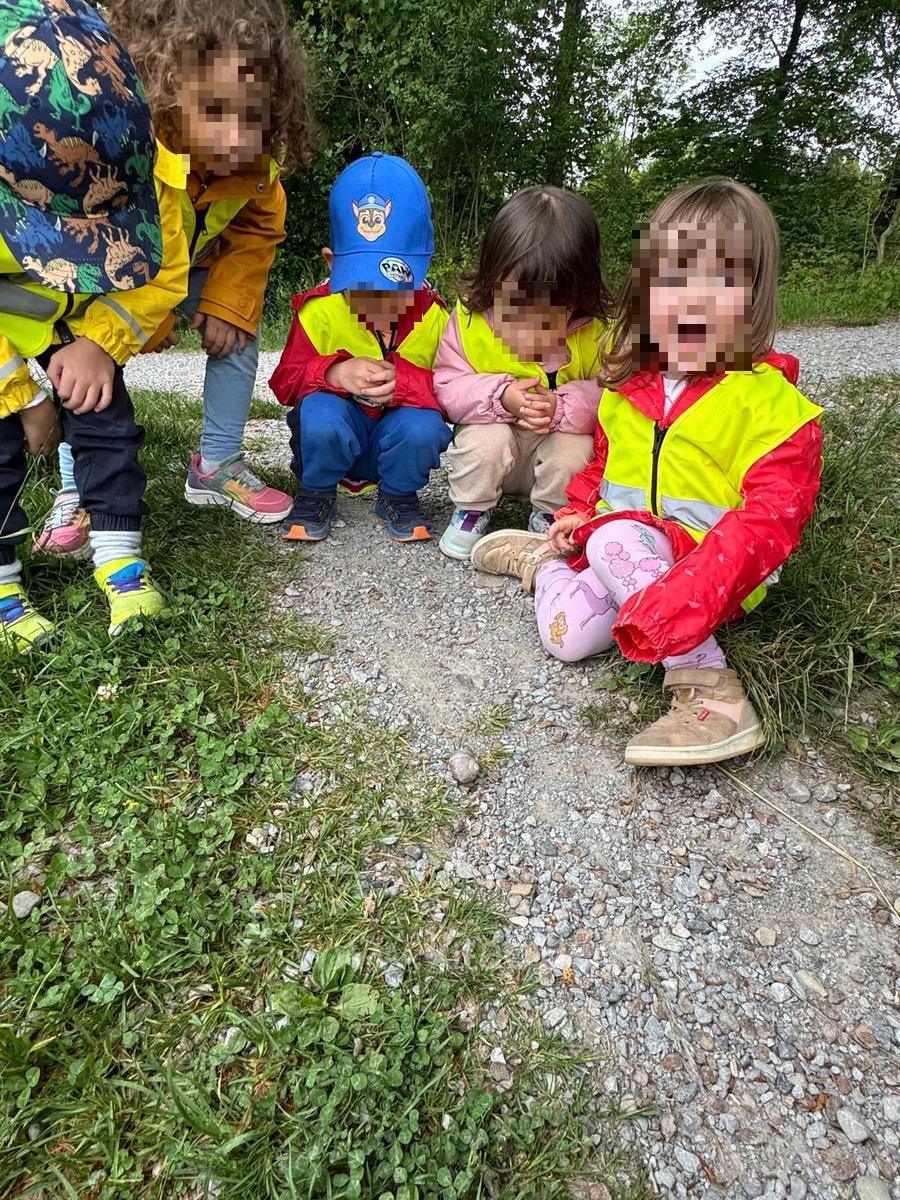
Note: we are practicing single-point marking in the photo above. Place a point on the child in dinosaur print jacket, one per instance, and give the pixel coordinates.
(92, 257)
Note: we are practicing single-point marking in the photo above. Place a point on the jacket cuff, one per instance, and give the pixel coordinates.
(167, 326)
(245, 318)
(494, 400)
(20, 391)
(318, 369)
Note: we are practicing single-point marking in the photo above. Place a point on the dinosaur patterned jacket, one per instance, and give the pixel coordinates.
(119, 322)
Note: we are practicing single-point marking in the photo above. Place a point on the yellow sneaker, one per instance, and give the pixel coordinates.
(21, 628)
(130, 591)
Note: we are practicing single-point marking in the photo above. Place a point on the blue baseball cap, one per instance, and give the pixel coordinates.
(381, 232)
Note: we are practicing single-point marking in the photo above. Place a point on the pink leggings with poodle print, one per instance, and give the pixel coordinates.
(576, 609)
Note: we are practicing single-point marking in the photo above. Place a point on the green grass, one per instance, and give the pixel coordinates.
(824, 647)
(829, 295)
(197, 826)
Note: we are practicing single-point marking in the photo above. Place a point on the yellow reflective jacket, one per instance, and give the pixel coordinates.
(119, 322)
(692, 471)
(487, 352)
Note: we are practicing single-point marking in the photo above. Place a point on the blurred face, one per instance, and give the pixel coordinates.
(380, 309)
(528, 321)
(698, 284)
(223, 117)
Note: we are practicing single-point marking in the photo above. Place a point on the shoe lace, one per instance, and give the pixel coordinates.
(63, 512)
(403, 507)
(129, 579)
(306, 507)
(13, 608)
(244, 475)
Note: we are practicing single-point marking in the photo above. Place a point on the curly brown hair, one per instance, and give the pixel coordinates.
(158, 32)
(544, 237)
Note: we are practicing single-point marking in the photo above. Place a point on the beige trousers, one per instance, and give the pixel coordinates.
(490, 461)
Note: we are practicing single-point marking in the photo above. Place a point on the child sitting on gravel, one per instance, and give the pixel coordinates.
(706, 469)
(356, 370)
(517, 365)
(231, 118)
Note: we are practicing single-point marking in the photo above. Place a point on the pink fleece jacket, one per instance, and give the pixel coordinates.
(473, 398)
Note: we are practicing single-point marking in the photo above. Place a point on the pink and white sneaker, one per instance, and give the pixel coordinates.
(66, 530)
(233, 485)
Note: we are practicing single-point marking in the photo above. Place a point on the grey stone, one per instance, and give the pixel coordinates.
(780, 992)
(765, 936)
(752, 1187)
(793, 789)
(808, 936)
(891, 1105)
(855, 1129)
(869, 1187)
(554, 1017)
(688, 1161)
(24, 902)
(463, 767)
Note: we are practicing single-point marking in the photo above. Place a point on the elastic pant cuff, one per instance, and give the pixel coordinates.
(114, 523)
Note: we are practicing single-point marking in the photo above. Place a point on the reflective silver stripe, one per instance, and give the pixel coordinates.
(695, 513)
(619, 497)
(11, 366)
(773, 578)
(20, 301)
(125, 315)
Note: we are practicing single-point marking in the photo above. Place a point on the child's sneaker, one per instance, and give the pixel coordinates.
(311, 516)
(357, 487)
(130, 591)
(403, 517)
(21, 628)
(467, 527)
(66, 528)
(233, 485)
(540, 522)
(513, 552)
(711, 719)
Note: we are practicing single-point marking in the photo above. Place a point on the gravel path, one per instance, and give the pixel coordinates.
(824, 352)
(740, 981)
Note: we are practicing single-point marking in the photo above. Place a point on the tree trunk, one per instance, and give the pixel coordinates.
(560, 122)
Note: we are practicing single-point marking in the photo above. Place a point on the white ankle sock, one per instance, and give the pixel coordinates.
(10, 572)
(208, 465)
(109, 544)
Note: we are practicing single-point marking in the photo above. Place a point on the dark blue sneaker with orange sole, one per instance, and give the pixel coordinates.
(311, 517)
(403, 517)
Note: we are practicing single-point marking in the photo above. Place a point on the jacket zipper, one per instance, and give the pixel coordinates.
(659, 436)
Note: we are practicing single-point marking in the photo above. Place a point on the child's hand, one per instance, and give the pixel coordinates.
(172, 338)
(82, 374)
(539, 410)
(372, 378)
(41, 426)
(516, 395)
(561, 531)
(220, 337)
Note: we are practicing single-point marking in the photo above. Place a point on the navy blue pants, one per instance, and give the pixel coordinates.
(108, 476)
(333, 437)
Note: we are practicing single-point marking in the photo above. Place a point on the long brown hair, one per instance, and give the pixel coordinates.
(548, 237)
(158, 32)
(712, 202)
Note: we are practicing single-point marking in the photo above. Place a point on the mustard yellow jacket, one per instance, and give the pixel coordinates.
(233, 226)
(119, 322)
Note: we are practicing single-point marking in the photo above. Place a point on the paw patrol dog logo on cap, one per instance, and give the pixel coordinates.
(371, 216)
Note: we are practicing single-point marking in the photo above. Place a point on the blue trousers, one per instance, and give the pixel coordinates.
(332, 437)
